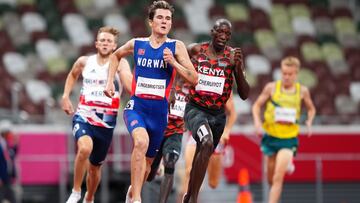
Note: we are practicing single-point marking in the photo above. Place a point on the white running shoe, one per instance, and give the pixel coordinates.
(290, 168)
(128, 199)
(74, 197)
(84, 200)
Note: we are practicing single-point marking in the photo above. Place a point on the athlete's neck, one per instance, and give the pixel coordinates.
(215, 51)
(157, 40)
(101, 60)
(289, 88)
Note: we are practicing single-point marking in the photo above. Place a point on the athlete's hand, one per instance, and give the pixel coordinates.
(168, 56)
(238, 59)
(66, 105)
(172, 98)
(238, 56)
(225, 137)
(109, 90)
(258, 129)
(309, 129)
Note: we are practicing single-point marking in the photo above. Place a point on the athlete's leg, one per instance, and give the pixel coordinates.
(92, 181)
(85, 146)
(172, 149)
(170, 160)
(138, 161)
(204, 149)
(214, 169)
(102, 138)
(189, 156)
(283, 158)
(155, 164)
(82, 132)
(270, 167)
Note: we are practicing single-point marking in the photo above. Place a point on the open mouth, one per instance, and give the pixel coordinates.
(221, 42)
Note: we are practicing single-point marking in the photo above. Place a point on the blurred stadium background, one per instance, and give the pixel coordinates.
(40, 39)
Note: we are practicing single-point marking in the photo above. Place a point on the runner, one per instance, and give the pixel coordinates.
(95, 117)
(283, 105)
(157, 59)
(216, 64)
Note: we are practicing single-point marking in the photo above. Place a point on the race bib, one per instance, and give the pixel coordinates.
(178, 109)
(146, 87)
(96, 94)
(285, 115)
(210, 85)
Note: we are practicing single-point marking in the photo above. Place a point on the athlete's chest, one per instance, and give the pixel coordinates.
(219, 67)
(94, 75)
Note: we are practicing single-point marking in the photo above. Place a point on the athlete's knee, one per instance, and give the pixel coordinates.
(170, 160)
(207, 145)
(141, 144)
(84, 151)
(205, 137)
(213, 183)
(94, 170)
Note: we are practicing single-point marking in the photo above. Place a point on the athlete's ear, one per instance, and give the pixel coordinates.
(150, 22)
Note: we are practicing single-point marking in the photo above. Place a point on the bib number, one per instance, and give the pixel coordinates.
(285, 115)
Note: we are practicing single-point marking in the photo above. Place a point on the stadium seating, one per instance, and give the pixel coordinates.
(40, 40)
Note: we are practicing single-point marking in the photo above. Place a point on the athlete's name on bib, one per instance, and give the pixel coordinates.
(151, 86)
(209, 83)
(97, 93)
(210, 71)
(150, 63)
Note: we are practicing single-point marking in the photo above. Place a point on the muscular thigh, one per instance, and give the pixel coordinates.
(194, 118)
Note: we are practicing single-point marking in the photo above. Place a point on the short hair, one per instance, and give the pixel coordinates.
(110, 30)
(222, 21)
(291, 61)
(159, 5)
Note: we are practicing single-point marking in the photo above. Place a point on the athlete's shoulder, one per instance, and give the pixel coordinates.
(270, 86)
(194, 48)
(304, 89)
(82, 60)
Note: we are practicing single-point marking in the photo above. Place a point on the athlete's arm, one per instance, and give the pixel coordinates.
(260, 101)
(125, 74)
(230, 120)
(311, 111)
(178, 82)
(182, 64)
(243, 87)
(71, 78)
(124, 50)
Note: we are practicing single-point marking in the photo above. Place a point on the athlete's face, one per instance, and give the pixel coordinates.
(289, 75)
(162, 21)
(105, 43)
(221, 35)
